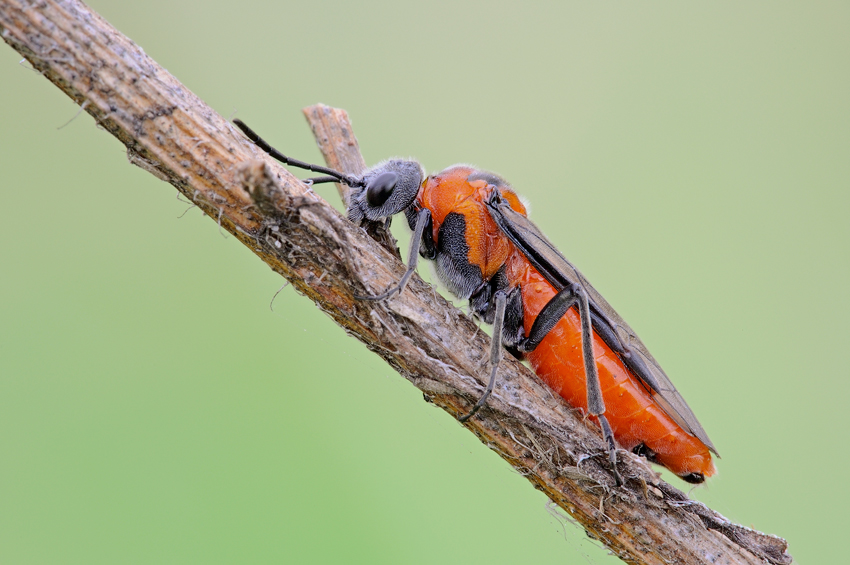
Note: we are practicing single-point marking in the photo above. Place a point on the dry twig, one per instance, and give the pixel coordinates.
(172, 134)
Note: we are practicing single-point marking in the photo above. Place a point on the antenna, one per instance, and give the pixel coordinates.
(264, 145)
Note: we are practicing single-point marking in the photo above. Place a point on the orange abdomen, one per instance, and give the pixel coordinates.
(634, 416)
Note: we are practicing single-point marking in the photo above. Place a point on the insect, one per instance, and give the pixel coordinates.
(474, 227)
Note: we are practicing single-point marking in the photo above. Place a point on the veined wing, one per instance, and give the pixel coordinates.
(608, 324)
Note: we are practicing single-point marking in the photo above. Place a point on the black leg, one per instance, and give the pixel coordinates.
(608, 435)
(595, 403)
(548, 318)
(422, 219)
(552, 312)
(495, 352)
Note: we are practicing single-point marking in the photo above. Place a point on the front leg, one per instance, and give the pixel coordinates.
(423, 220)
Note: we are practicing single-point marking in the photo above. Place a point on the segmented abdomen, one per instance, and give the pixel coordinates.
(634, 416)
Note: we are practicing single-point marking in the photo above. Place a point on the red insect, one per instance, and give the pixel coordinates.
(473, 225)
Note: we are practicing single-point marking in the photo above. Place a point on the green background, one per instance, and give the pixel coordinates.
(691, 159)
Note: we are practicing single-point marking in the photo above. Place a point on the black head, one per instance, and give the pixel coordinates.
(385, 190)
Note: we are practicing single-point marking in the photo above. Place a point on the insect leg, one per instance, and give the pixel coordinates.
(548, 317)
(595, 403)
(552, 312)
(422, 220)
(495, 352)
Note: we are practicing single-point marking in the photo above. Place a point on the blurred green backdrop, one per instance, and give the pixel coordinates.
(692, 159)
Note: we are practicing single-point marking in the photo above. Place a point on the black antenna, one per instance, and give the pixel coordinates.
(263, 144)
(320, 180)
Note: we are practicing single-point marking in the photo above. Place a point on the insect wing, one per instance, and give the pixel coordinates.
(556, 269)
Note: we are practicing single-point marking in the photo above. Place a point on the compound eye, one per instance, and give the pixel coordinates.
(380, 188)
